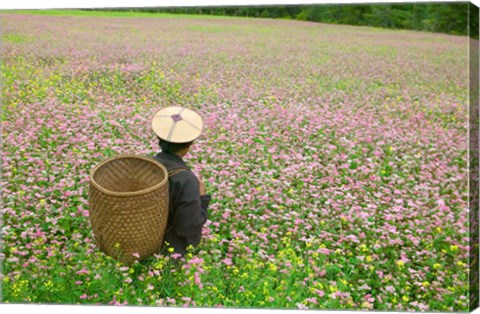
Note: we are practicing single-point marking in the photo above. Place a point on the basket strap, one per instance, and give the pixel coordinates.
(172, 173)
(169, 229)
(175, 171)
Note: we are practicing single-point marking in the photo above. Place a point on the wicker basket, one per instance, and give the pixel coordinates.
(129, 206)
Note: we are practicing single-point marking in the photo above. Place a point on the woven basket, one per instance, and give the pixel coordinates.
(128, 198)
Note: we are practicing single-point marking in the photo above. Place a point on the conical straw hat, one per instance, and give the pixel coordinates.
(177, 124)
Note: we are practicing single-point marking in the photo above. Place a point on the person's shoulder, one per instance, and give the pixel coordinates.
(184, 175)
(185, 181)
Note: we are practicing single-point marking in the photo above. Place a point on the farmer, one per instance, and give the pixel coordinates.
(177, 128)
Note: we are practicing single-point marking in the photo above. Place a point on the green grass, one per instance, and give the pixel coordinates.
(59, 12)
(15, 38)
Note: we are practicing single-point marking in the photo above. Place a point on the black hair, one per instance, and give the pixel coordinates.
(169, 147)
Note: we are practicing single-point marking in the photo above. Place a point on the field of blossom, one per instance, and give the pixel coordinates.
(336, 157)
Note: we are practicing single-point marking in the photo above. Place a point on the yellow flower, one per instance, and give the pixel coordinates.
(453, 248)
(400, 263)
(157, 266)
(405, 298)
(437, 266)
(366, 304)
(363, 248)
(425, 284)
(368, 258)
(461, 264)
(48, 284)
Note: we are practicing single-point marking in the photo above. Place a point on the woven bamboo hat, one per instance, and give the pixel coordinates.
(177, 124)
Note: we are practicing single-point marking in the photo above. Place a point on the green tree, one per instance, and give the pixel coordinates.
(451, 18)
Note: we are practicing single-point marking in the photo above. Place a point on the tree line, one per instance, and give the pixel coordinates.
(448, 17)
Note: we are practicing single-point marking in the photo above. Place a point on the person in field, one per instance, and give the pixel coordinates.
(177, 128)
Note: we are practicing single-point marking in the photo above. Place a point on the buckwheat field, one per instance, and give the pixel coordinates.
(336, 157)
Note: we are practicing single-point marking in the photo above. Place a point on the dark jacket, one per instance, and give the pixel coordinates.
(187, 208)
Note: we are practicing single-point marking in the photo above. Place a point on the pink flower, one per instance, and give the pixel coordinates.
(302, 306)
(352, 238)
(311, 300)
(83, 271)
(176, 255)
(390, 289)
(195, 260)
(323, 251)
(423, 307)
(198, 282)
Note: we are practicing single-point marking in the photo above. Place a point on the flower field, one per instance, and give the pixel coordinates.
(336, 157)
